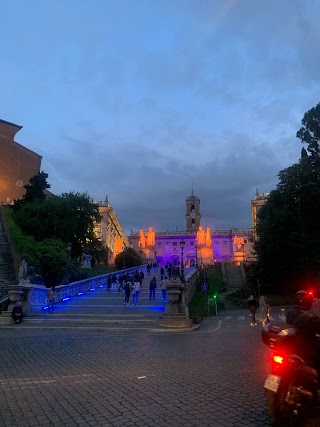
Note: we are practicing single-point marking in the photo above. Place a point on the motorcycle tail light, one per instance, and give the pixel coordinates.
(278, 359)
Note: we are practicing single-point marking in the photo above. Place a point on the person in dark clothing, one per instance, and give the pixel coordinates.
(161, 273)
(127, 290)
(252, 305)
(109, 282)
(17, 314)
(152, 288)
(308, 325)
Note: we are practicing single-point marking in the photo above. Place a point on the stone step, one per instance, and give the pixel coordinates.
(98, 327)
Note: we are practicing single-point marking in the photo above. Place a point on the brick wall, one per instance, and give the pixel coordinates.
(17, 164)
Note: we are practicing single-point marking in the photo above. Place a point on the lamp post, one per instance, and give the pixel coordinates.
(196, 248)
(69, 247)
(124, 257)
(182, 244)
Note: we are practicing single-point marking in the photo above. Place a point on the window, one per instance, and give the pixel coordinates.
(192, 208)
(225, 243)
(174, 244)
(191, 243)
(245, 241)
(159, 244)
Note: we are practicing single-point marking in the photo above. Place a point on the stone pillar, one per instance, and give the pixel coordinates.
(177, 312)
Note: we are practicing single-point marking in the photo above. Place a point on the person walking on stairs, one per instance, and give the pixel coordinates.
(127, 290)
(152, 288)
(135, 293)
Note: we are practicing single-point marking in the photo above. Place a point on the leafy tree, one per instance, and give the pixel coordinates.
(129, 257)
(309, 133)
(34, 190)
(288, 229)
(70, 218)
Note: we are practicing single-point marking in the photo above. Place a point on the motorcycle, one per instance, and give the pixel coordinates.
(292, 387)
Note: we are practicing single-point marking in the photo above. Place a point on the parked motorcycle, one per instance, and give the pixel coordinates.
(292, 387)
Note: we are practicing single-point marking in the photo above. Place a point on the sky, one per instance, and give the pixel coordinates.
(141, 100)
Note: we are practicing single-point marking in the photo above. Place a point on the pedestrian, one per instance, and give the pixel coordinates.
(127, 290)
(152, 288)
(109, 282)
(121, 280)
(263, 317)
(51, 298)
(141, 277)
(252, 305)
(164, 284)
(161, 273)
(135, 293)
(17, 314)
(114, 282)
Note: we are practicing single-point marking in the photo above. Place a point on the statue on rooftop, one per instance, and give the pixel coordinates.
(201, 237)
(150, 237)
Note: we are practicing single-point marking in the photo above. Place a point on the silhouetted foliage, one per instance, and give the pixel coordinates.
(34, 190)
(128, 258)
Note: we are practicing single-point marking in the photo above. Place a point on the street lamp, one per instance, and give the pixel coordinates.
(182, 244)
(196, 248)
(124, 257)
(69, 247)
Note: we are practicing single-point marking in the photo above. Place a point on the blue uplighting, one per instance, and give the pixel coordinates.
(65, 299)
(92, 289)
(80, 293)
(45, 308)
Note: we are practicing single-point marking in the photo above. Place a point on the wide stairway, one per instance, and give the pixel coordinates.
(104, 310)
(234, 281)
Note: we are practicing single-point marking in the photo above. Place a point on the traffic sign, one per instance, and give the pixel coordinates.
(204, 286)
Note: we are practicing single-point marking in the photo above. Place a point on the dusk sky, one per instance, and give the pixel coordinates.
(138, 99)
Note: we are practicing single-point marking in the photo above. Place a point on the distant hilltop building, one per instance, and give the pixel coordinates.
(256, 204)
(17, 164)
(199, 245)
(109, 230)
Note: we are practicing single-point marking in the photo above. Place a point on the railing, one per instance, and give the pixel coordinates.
(191, 284)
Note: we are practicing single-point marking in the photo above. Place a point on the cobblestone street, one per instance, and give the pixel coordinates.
(210, 377)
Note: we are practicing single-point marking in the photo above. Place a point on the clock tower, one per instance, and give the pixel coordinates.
(193, 213)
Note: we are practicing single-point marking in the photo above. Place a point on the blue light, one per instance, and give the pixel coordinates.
(65, 299)
(101, 286)
(92, 289)
(45, 308)
(80, 293)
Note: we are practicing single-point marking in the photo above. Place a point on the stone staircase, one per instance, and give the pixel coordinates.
(234, 281)
(7, 273)
(104, 310)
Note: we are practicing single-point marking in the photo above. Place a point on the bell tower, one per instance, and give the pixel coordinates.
(193, 212)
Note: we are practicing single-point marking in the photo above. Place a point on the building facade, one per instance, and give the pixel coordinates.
(204, 247)
(17, 164)
(256, 204)
(109, 231)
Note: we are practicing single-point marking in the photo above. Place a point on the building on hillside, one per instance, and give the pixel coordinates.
(256, 204)
(109, 230)
(198, 245)
(17, 164)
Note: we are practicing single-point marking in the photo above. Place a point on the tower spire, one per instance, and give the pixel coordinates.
(192, 189)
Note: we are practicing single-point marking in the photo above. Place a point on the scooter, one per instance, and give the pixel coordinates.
(292, 387)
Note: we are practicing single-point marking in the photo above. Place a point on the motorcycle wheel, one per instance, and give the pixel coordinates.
(279, 410)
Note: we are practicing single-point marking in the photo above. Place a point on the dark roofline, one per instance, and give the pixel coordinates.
(11, 124)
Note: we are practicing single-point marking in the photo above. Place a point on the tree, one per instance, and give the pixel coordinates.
(34, 190)
(309, 133)
(288, 229)
(129, 257)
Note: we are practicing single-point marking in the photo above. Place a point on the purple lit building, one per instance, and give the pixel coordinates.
(204, 247)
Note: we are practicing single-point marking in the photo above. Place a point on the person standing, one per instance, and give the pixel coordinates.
(127, 290)
(51, 297)
(161, 273)
(152, 288)
(135, 293)
(114, 282)
(263, 307)
(252, 305)
(164, 283)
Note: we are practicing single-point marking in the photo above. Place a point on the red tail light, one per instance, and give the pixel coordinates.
(278, 359)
